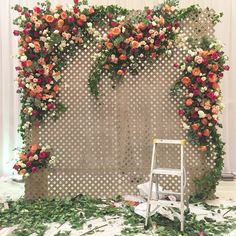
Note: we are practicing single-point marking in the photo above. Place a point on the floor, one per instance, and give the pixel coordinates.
(226, 195)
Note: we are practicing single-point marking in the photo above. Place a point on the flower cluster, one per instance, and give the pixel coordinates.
(31, 161)
(43, 31)
(145, 37)
(202, 102)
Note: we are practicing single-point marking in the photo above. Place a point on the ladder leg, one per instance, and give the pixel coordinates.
(182, 191)
(150, 187)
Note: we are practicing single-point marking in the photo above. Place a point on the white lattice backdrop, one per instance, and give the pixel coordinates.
(104, 147)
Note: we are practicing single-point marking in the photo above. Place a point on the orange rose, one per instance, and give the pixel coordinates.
(215, 86)
(212, 79)
(167, 8)
(83, 17)
(185, 80)
(22, 172)
(22, 157)
(142, 25)
(196, 71)
(122, 57)
(91, 10)
(28, 39)
(29, 63)
(215, 67)
(134, 44)
(34, 148)
(109, 45)
(21, 51)
(56, 88)
(204, 54)
(195, 127)
(115, 31)
(58, 7)
(189, 102)
(63, 15)
(60, 23)
(36, 46)
(206, 132)
(49, 18)
(146, 47)
(203, 148)
(120, 72)
(161, 20)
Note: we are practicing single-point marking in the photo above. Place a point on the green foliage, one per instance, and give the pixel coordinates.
(32, 217)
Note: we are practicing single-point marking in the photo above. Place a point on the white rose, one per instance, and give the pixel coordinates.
(203, 78)
(154, 23)
(201, 114)
(26, 175)
(215, 117)
(189, 69)
(89, 25)
(56, 15)
(183, 67)
(190, 95)
(23, 58)
(36, 157)
(23, 17)
(19, 21)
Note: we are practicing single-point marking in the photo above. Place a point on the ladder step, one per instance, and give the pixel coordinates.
(169, 203)
(169, 193)
(168, 141)
(167, 171)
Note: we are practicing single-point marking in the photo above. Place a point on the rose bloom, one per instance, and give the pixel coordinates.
(49, 18)
(215, 109)
(115, 31)
(198, 59)
(196, 71)
(189, 102)
(134, 44)
(185, 80)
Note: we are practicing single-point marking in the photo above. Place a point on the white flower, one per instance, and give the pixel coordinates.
(216, 93)
(120, 18)
(53, 158)
(154, 23)
(123, 29)
(23, 17)
(131, 58)
(201, 114)
(23, 58)
(56, 15)
(215, 117)
(56, 31)
(31, 45)
(48, 146)
(189, 69)
(43, 148)
(19, 21)
(190, 95)
(36, 157)
(89, 25)
(26, 175)
(182, 67)
(168, 52)
(185, 126)
(203, 78)
(209, 124)
(45, 32)
(23, 165)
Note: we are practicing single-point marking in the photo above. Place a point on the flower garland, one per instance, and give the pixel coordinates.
(33, 159)
(201, 98)
(46, 34)
(143, 37)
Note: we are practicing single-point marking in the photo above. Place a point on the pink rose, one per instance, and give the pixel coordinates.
(198, 59)
(16, 32)
(226, 67)
(50, 106)
(181, 112)
(28, 163)
(215, 56)
(71, 19)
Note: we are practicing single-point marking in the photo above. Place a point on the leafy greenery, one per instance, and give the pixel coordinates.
(32, 217)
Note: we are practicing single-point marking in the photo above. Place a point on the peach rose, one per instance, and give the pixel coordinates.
(122, 57)
(212, 78)
(34, 148)
(56, 88)
(28, 39)
(196, 71)
(161, 20)
(195, 127)
(63, 15)
(49, 18)
(120, 72)
(22, 172)
(60, 23)
(185, 80)
(206, 132)
(203, 148)
(134, 44)
(215, 67)
(115, 31)
(83, 17)
(29, 63)
(109, 45)
(215, 86)
(22, 157)
(142, 26)
(189, 102)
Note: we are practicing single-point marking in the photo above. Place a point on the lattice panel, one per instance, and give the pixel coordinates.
(104, 147)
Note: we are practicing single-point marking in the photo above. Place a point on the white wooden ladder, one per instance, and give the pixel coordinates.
(155, 171)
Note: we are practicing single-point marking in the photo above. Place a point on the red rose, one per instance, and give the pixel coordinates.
(37, 9)
(16, 32)
(226, 67)
(35, 169)
(43, 155)
(76, 10)
(16, 167)
(50, 106)
(181, 112)
(76, 1)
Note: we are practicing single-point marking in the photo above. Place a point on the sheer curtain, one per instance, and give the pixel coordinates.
(9, 100)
